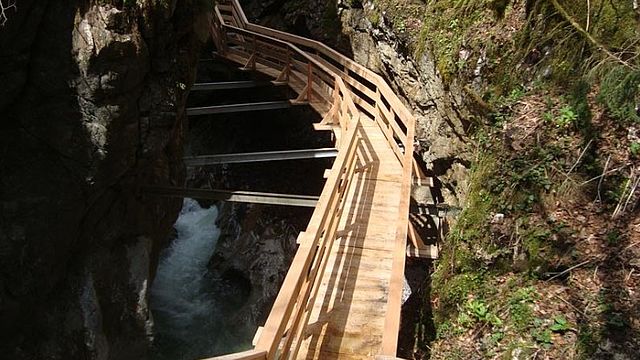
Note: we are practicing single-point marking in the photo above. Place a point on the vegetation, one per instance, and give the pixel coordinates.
(538, 262)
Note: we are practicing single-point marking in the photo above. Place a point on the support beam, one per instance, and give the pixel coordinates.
(234, 196)
(222, 109)
(260, 156)
(426, 252)
(228, 85)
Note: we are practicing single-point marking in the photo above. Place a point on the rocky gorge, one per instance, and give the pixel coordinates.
(93, 110)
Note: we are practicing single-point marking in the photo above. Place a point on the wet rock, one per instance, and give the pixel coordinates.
(79, 242)
(257, 245)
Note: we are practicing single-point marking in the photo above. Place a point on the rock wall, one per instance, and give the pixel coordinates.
(91, 109)
(441, 110)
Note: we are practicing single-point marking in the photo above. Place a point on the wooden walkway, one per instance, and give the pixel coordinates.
(341, 298)
(347, 320)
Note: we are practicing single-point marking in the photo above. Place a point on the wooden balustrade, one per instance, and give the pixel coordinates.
(354, 94)
(282, 333)
(371, 87)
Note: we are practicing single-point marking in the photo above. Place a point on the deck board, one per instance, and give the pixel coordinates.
(347, 319)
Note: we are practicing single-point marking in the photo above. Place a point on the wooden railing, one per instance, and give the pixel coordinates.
(372, 95)
(354, 94)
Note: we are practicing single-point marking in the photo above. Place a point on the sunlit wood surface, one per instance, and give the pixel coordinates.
(347, 320)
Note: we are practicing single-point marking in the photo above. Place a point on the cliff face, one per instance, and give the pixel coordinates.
(91, 106)
(441, 109)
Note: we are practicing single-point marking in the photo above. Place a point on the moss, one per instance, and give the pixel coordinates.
(536, 246)
(613, 187)
(459, 272)
(588, 340)
(374, 17)
(544, 55)
(620, 92)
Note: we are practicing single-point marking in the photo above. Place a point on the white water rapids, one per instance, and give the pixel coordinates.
(183, 300)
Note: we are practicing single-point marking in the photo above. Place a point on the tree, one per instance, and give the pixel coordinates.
(5, 5)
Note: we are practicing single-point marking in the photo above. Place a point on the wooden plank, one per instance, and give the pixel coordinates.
(329, 238)
(234, 196)
(416, 240)
(232, 108)
(228, 85)
(283, 306)
(369, 268)
(427, 252)
(301, 235)
(373, 218)
(224, 7)
(204, 160)
(392, 318)
(324, 127)
(256, 336)
(394, 124)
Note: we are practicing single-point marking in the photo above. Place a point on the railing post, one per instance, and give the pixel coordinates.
(218, 32)
(255, 52)
(336, 103)
(309, 81)
(287, 66)
(377, 116)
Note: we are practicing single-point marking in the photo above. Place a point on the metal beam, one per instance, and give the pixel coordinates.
(260, 156)
(221, 109)
(227, 85)
(234, 196)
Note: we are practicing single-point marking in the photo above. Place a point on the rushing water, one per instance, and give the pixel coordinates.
(183, 297)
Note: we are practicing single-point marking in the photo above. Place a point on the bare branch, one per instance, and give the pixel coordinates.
(597, 44)
(5, 5)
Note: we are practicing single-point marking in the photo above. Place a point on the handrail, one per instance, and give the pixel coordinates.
(393, 118)
(316, 70)
(294, 303)
(320, 74)
(351, 65)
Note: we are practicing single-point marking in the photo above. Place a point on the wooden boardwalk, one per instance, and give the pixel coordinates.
(347, 320)
(341, 298)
